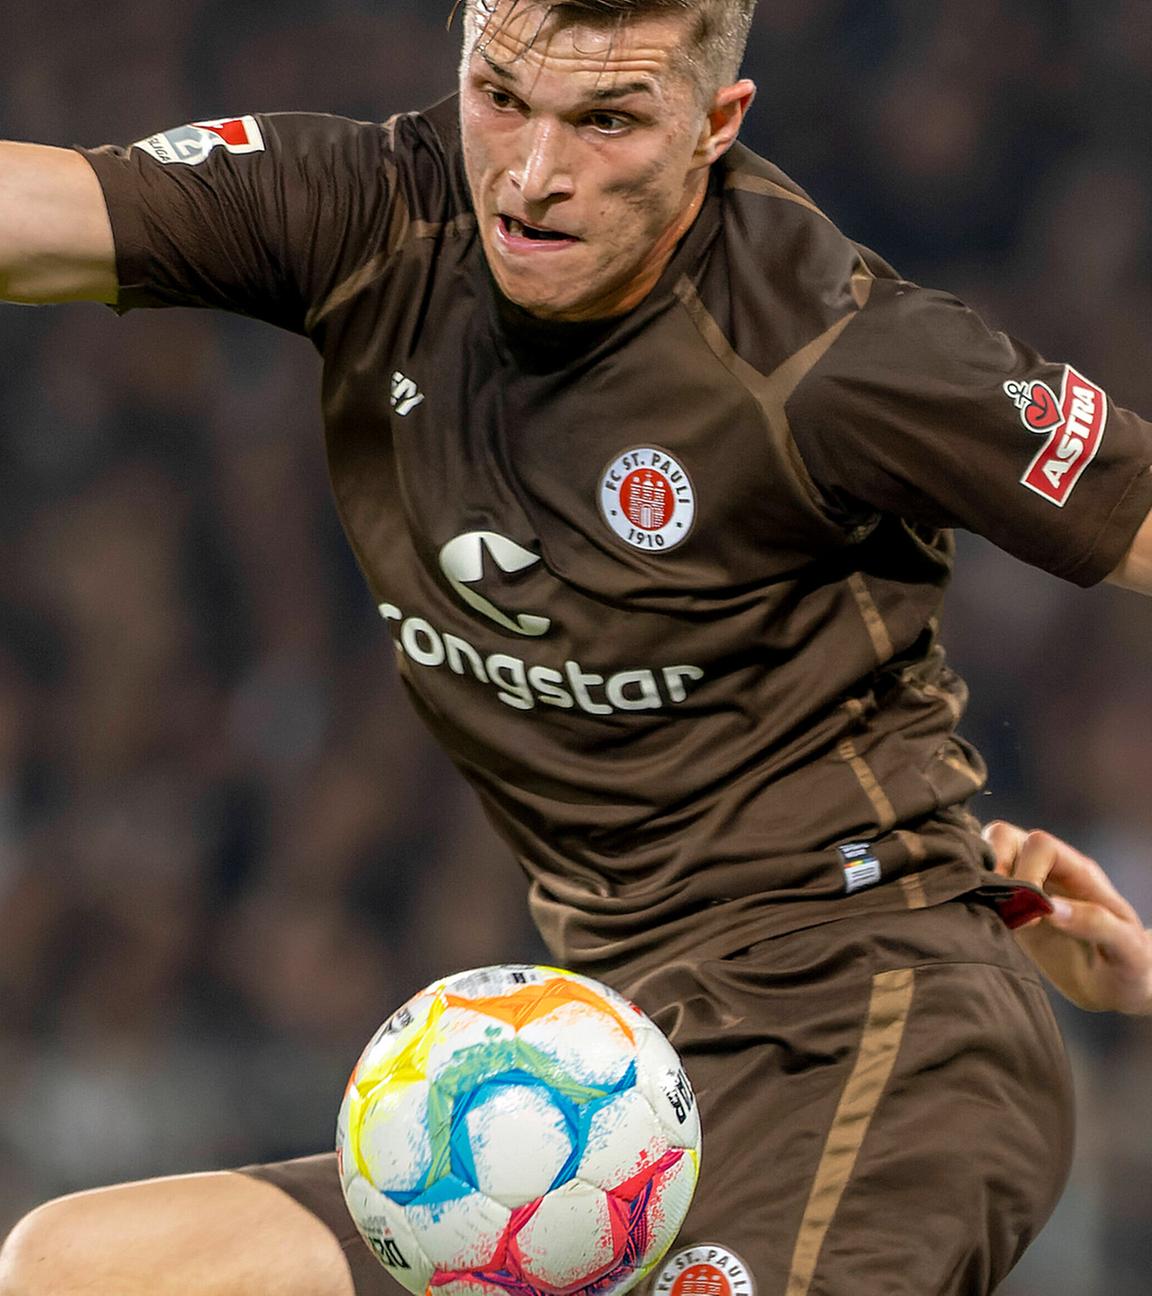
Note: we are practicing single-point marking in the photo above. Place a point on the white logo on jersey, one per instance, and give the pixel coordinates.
(462, 561)
(191, 144)
(524, 687)
(405, 394)
(647, 499)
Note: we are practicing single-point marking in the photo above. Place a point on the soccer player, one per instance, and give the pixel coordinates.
(651, 472)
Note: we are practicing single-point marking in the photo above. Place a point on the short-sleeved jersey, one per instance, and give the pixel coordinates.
(664, 586)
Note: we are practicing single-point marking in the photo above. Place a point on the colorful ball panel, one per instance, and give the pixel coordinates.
(385, 1228)
(396, 1033)
(395, 1146)
(623, 1139)
(466, 1285)
(462, 1028)
(661, 1078)
(517, 1139)
(575, 1235)
(457, 1227)
(669, 1196)
(592, 1041)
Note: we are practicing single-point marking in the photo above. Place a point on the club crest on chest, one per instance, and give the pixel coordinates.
(647, 499)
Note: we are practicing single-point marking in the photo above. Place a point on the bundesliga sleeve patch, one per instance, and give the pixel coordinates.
(1072, 425)
(191, 144)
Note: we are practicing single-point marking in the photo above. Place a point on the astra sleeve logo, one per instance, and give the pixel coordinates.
(1072, 425)
(191, 144)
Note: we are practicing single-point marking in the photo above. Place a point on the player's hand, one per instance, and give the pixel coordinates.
(1093, 947)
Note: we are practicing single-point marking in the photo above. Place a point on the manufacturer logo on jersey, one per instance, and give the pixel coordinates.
(704, 1270)
(462, 561)
(191, 144)
(647, 499)
(405, 394)
(1072, 425)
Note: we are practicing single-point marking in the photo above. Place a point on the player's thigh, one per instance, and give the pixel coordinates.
(768, 1052)
(878, 1115)
(968, 1147)
(221, 1234)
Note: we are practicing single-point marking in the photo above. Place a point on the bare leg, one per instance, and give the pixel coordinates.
(193, 1235)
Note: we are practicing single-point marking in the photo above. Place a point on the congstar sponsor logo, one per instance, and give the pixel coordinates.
(525, 685)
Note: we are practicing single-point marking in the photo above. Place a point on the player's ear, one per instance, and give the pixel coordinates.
(724, 119)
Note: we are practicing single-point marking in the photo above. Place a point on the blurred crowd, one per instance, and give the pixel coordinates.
(226, 848)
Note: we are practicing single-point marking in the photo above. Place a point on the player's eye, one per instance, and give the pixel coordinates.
(501, 100)
(608, 123)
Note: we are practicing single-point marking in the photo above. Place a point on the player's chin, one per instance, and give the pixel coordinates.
(559, 312)
(573, 285)
(547, 298)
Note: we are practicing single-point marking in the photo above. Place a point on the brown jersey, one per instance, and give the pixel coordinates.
(663, 586)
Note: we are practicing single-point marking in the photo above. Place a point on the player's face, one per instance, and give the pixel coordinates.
(587, 149)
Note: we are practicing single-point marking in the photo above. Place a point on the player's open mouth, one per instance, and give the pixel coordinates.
(519, 235)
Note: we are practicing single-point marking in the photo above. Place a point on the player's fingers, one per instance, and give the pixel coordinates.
(1060, 869)
(1036, 856)
(1073, 874)
(1005, 840)
(1055, 866)
(1123, 943)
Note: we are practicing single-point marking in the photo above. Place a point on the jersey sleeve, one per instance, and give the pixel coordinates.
(918, 409)
(262, 215)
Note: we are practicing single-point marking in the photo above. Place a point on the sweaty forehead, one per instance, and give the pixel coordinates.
(526, 39)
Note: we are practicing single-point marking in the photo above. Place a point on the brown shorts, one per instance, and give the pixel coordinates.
(885, 1101)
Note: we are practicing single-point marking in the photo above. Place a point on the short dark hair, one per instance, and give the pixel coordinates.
(718, 35)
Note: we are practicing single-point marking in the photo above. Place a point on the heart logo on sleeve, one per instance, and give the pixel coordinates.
(1039, 408)
(1043, 409)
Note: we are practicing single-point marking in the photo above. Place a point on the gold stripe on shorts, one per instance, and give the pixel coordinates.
(879, 1045)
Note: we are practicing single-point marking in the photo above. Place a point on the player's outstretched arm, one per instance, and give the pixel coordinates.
(55, 236)
(1135, 569)
(1093, 948)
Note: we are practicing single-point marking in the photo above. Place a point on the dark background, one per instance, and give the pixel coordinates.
(226, 851)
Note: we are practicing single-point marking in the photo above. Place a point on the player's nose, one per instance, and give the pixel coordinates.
(544, 171)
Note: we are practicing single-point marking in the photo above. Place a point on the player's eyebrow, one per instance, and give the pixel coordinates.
(498, 69)
(601, 94)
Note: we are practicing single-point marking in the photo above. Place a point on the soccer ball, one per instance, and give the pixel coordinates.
(518, 1130)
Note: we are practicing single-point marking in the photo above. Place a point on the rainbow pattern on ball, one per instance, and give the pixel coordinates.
(518, 1130)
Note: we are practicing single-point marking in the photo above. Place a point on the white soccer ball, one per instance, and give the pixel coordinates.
(518, 1129)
